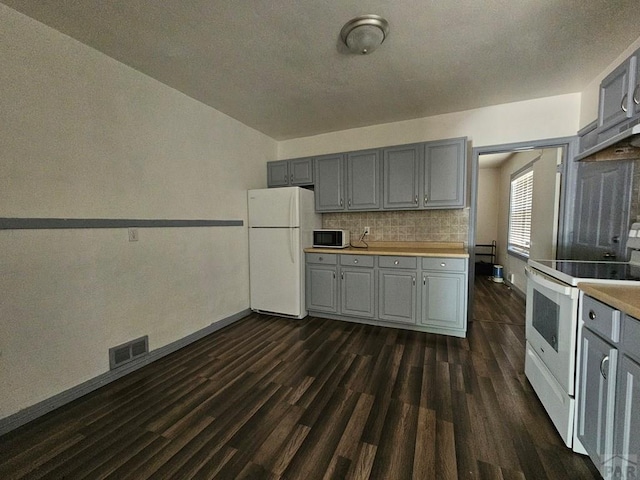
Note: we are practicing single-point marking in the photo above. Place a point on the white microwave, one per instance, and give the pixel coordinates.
(327, 238)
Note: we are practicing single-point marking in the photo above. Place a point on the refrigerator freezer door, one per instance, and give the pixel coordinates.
(274, 207)
(275, 271)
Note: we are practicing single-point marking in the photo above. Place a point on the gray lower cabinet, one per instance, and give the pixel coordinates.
(426, 294)
(596, 396)
(444, 294)
(329, 174)
(357, 291)
(443, 299)
(627, 420)
(397, 289)
(397, 295)
(626, 443)
(322, 283)
(290, 173)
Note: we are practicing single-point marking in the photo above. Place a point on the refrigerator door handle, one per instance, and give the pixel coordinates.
(292, 232)
(291, 209)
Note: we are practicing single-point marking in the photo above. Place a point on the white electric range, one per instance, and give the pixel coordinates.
(552, 325)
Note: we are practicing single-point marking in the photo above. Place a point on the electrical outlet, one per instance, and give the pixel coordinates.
(133, 234)
(367, 230)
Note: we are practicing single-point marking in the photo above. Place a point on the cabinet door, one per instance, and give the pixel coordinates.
(363, 180)
(627, 421)
(278, 173)
(444, 174)
(301, 171)
(400, 173)
(397, 295)
(443, 300)
(357, 292)
(635, 95)
(615, 98)
(595, 396)
(322, 288)
(329, 183)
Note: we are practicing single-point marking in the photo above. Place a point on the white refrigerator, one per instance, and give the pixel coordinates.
(281, 222)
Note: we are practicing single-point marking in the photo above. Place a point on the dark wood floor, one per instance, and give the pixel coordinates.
(270, 398)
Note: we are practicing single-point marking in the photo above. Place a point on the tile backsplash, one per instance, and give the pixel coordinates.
(404, 226)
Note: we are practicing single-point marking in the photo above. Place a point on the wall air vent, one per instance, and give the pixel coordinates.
(128, 352)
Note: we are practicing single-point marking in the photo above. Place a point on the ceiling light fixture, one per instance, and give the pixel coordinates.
(365, 33)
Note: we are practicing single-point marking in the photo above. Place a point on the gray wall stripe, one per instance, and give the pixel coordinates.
(31, 413)
(54, 223)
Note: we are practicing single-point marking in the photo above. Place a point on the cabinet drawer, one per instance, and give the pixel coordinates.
(601, 318)
(357, 260)
(631, 337)
(397, 262)
(322, 258)
(445, 264)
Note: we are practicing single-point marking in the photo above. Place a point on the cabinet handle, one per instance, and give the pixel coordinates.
(320, 259)
(334, 275)
(349, 202)
(623, 105)
(424, 280)
(414, 281)
(355, 260)
(416, 200)
(592, 315)
(340, 202)
(397, 262)
(292, 178)
(636, 99)
(443, 264)
(342, 275)
(426, 199)
(602, 369)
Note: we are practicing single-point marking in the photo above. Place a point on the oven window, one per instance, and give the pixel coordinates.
(546, 318)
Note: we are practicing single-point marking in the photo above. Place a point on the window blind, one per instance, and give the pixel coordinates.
(520, 213)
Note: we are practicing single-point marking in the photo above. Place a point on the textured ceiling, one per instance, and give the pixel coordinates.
(279, 67)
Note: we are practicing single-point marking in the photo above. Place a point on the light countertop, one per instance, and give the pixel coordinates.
(625, 298)
(404, 249)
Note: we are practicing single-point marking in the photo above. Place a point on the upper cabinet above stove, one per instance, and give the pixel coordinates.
(614, 136)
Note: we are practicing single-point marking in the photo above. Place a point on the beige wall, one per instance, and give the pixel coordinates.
(537, 119)
(84, 136)
(488, 205)
(543, 221)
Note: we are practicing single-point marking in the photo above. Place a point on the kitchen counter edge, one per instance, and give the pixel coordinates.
(396, 251)
(625, 298)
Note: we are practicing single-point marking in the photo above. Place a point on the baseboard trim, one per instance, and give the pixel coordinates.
(29, 414)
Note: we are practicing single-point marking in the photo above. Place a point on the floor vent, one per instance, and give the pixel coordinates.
(127, 352)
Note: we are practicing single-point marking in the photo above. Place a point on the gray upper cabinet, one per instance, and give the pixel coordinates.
(444, 174)
(616, 92)
(416, 176)
(278, 173)
(289, 173)
(364, 184)
(401, 166)
(329, 173)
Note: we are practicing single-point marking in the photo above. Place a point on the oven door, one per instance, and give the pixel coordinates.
(552, 325)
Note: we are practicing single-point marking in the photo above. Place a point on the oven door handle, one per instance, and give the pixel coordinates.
(556, 287)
